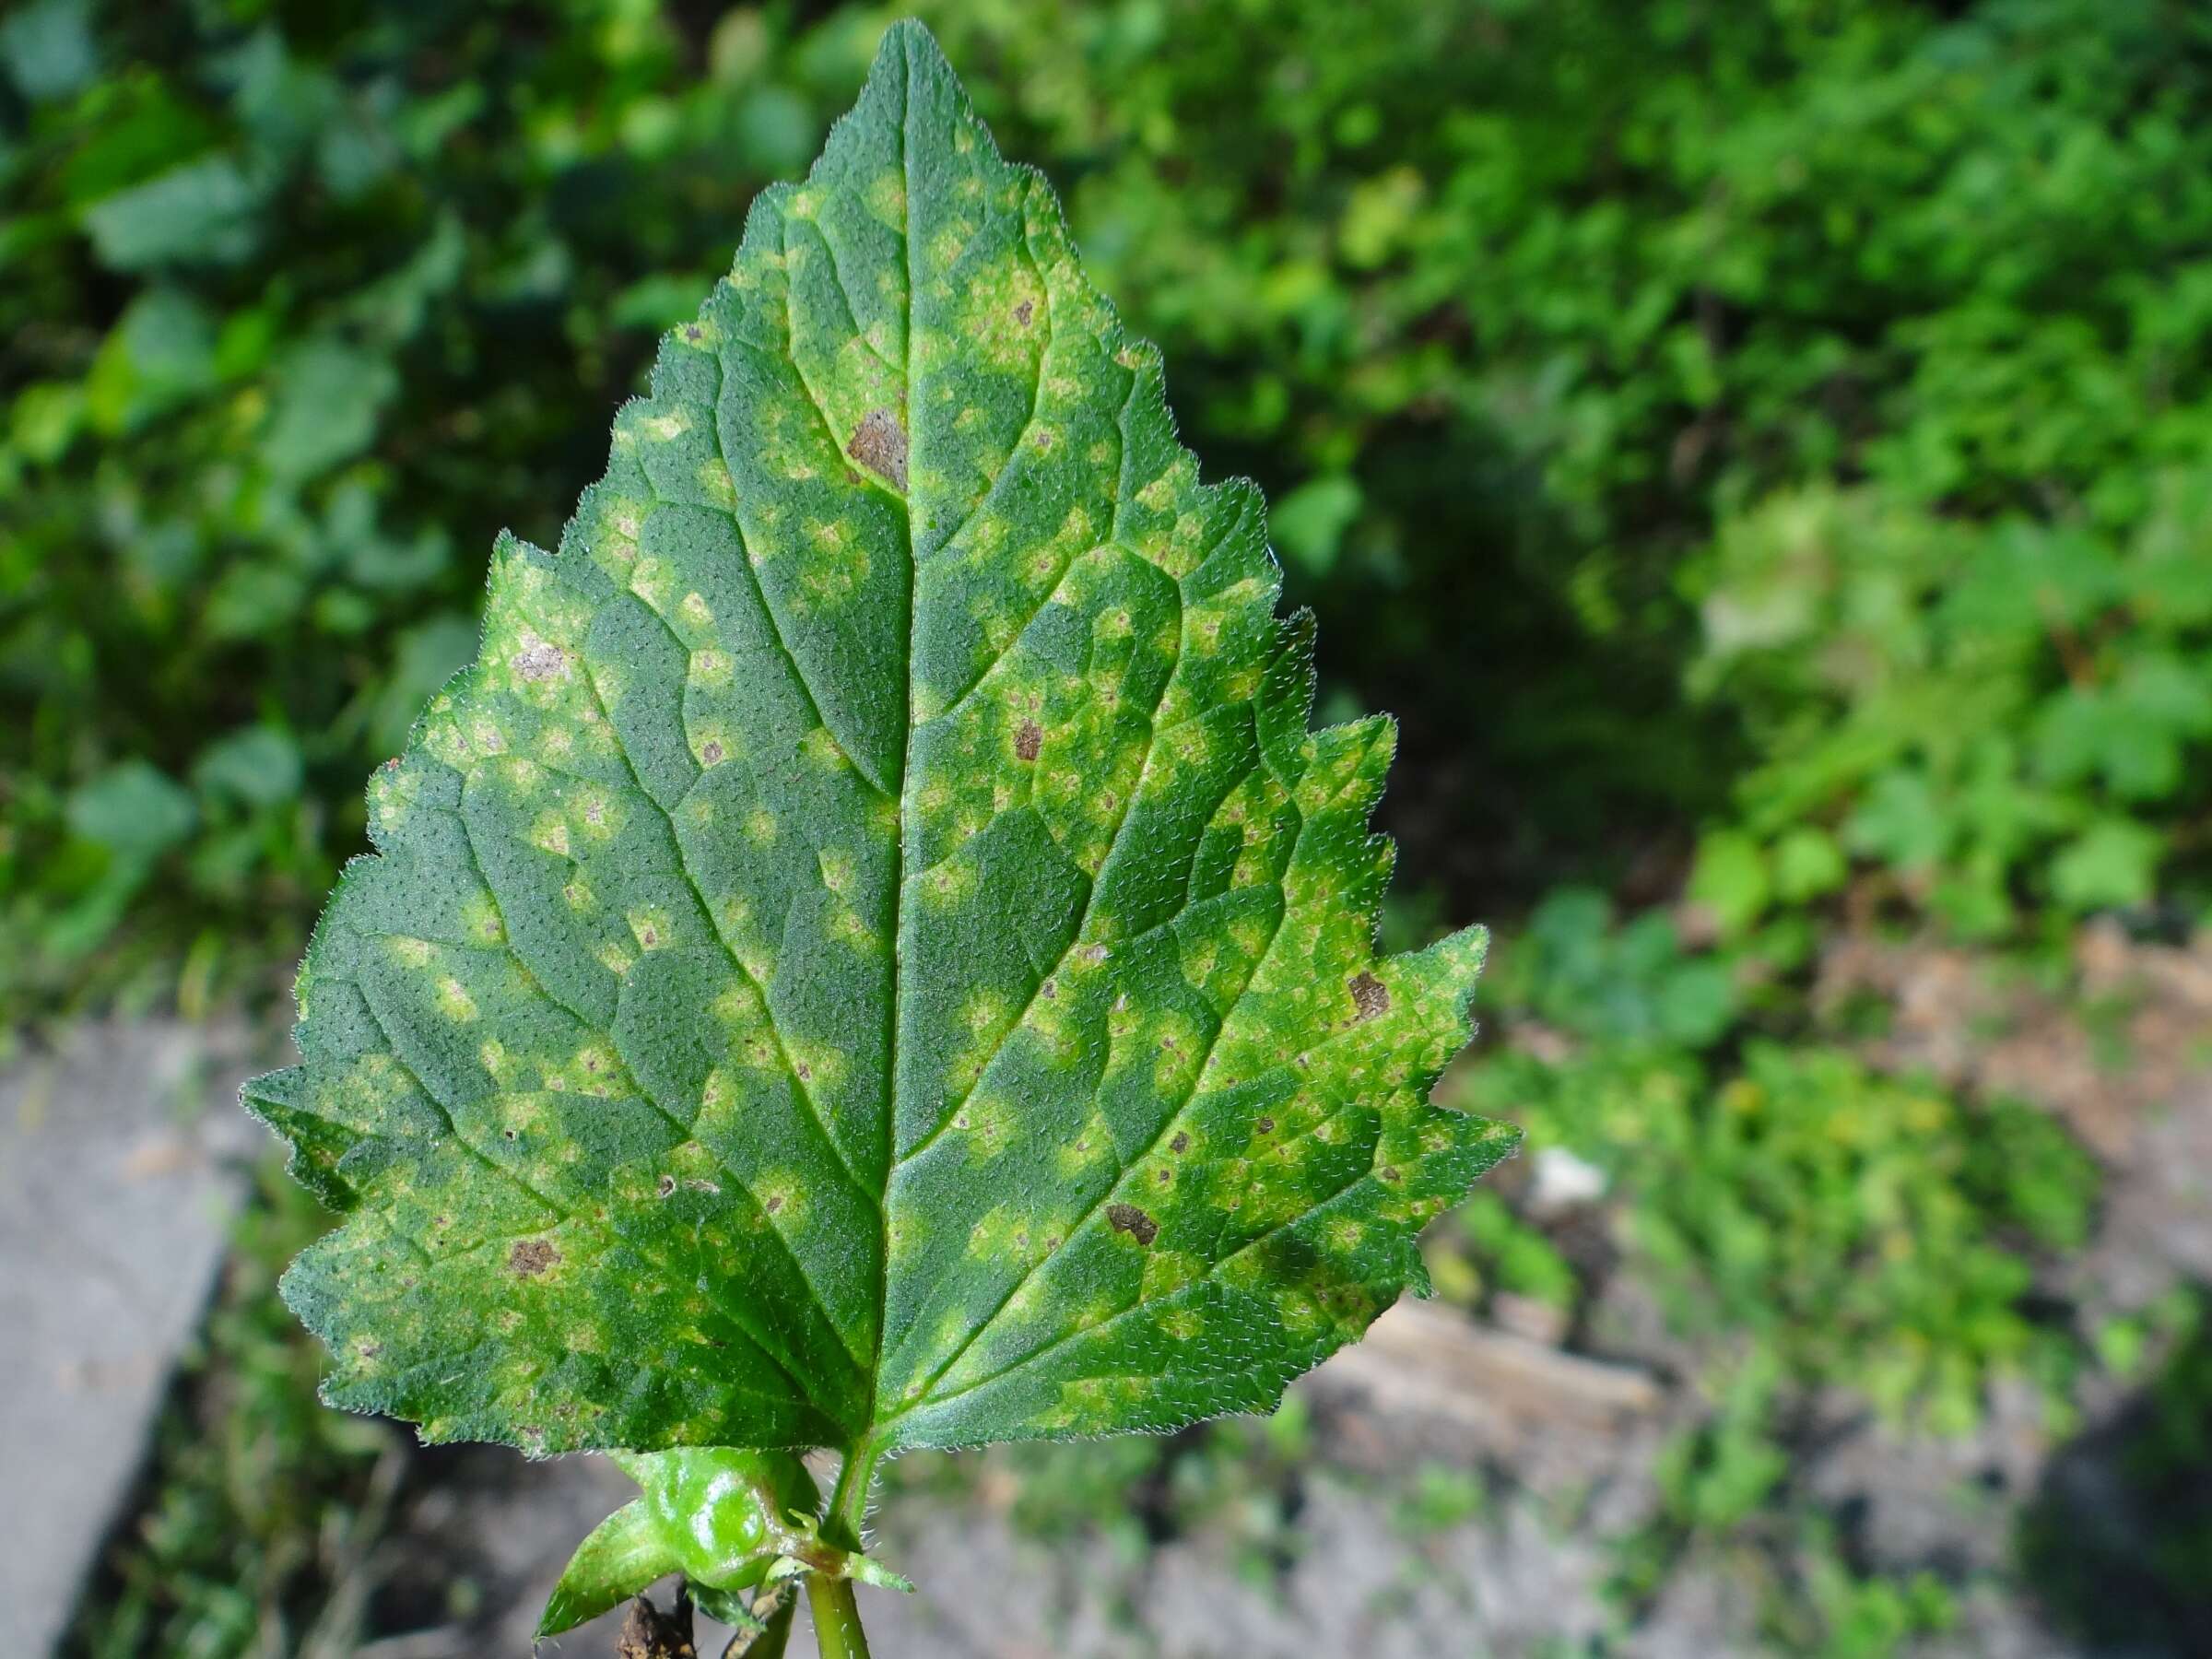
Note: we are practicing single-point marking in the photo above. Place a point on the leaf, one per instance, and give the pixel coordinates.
(2134, 734)
(134, 809)
(161, 354)
(870, 954)
(1310, 521)
(47, 49)
(1807, 863)
(257, 765)
(2114, 862)
(1900, 820)
(622, 1556)
(202, 212)
(1731, 878)
(324, 406)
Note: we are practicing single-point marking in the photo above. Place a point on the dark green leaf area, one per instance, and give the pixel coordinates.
(871, 954)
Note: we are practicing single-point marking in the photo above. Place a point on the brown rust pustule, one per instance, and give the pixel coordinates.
(1128, 1219)
(1370, 996)
(878, 443)
(531, 1257)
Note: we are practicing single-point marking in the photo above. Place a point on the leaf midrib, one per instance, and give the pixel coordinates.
(857, 1453)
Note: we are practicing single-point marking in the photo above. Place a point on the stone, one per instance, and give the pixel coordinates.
(121, 1168)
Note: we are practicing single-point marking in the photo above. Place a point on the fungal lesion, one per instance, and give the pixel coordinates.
(531, 1257)
(1128, 1219)
(540, 660)
(1370, 997)
(878, 443)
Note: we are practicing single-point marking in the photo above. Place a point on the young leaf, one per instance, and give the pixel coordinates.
(621, 1557)
(724, 1518)
(870, 955)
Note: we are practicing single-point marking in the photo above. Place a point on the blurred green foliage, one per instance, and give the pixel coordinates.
(1760, 453)
(1995, 714)
(1813, 1229)
(1783, 423)
(303, 304)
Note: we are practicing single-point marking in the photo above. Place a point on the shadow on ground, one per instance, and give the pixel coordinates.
(2118, 1539)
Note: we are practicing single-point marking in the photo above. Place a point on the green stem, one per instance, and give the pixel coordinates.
(837, 1631)
(836, 1614)
(849, 1501)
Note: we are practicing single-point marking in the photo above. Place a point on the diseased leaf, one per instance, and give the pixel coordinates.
(870, 955)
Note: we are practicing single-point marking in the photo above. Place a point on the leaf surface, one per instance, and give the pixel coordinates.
(871, 954)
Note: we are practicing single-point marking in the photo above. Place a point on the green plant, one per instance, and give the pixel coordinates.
(1813, 1229)
(2070, 661)
(1760, 440)
(297, 304)
(1543, 354)
(870, 956)
(1859, 1228)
